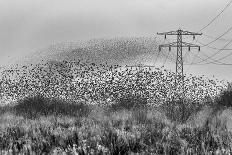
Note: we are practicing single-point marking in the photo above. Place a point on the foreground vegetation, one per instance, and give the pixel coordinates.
(37, 126)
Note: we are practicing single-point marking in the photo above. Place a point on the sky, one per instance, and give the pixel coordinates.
(29, 25)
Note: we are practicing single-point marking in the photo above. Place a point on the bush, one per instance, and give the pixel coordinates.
(224, 99)
(129, 102)
(32, 107)
(180, 110)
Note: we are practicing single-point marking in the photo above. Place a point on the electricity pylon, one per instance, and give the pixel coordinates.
(179, 79)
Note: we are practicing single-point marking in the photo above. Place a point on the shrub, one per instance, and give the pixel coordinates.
(180, 110)
(32, 107)
(224, 99)
(129, 102)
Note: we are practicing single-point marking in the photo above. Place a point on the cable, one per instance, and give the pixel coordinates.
(190, 65)
(209, 57)
(219, 37)
(215, 62)
(216, 16)
(211, 37)
(215, 39)
(187, 53)
(192, 62)
(215, 48)
(221, 64)
(218, 60)
(157, 57)
(166, 56)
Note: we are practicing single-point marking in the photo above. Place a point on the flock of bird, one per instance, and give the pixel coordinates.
(101, 83)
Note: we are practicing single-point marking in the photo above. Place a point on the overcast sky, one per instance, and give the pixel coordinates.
(29, 25)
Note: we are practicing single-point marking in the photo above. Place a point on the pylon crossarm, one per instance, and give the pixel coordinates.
(180, 31)
(168, 33)
(189, 33)
(173, 44)
(184, 44)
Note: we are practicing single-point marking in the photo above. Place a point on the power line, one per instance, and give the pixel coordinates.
(215, 62)
(218, 60)
(215, 39)
(209, 57)
(230, 2)
(212, 37)
(216, 16)
(223, 64)
(220, 64)
(157, 57)
(166, 57)
(208, 63)
(187, 53)
(215, 48)
(224, 57)
(190, 65)
(169, 58)
(218, 37)
(159, 52)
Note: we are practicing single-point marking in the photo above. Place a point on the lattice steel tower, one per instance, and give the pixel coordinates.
(179, 80)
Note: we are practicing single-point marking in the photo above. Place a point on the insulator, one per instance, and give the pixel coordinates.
(193, 37)
(169, 48)
(189, 48)
(165, 36)
(159, 48)
(199, 48)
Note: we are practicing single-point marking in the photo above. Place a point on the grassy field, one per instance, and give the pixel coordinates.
(40, 125)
